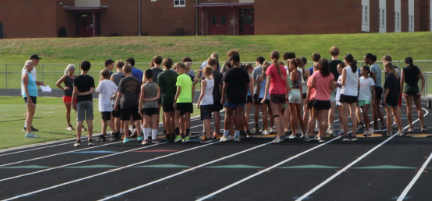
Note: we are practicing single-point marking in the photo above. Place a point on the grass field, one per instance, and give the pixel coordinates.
(49, 119)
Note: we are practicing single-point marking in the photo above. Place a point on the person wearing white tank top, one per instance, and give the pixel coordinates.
(349, 96)
(205, 103)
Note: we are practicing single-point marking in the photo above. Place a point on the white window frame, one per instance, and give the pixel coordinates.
(180, 5)
(411, 20)
(365, 25)
(383, 16)
(397, 16)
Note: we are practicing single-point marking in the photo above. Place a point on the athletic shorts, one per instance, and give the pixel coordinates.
(126, 113)
(304, 96)
(309, 104)
(266, 101)
(256, 99)
(321, 105)
(249, 99)
(392, 102)
(364, 102)
(206, 111)
(233, 105)
(150, 111)
(278, 98)
(348, 99)
(294, 96)
(160, 101)
(411, 89)
(184, 108)
(68, 99)
(106, 116)
(333, 95)
(33, 98)
(117, 113)
(378, 93)
(168, 107)
(217, 106)
(84, 110)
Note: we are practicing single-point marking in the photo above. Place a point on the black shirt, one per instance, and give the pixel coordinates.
(237, 79)
(84, 83)
(394, 85)
(411, 75)
(68, 83)
(130, 87)
(333, 68)
(217, 76)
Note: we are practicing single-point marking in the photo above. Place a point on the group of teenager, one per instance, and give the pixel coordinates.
(295, 101)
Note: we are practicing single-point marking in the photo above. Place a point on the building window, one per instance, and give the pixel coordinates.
(383, 17)
(179, 3)
(366, 14)
(397, 20)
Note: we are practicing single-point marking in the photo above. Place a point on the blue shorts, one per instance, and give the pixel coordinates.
(234, 105)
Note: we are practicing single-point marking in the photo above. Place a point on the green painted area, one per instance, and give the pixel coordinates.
(309, 167)
(385, 167)
(92, 166)
(240, 166)
(163, 166)
(25, 167)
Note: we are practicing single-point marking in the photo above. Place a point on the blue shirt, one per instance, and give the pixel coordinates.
(31, 86)
(311, 70)
(137, 73)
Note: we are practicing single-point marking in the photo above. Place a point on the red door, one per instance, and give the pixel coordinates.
(247, 22)
(86, 25)
(218, 24)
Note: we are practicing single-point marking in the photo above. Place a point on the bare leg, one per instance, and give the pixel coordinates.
(29, 117)
(216, 116)
(293, 117)
(278, 119)
(299, 117)
(365, 109)
(89, 128)
(417, 102)
(68, 111)
(324, 123)
(264, 116)
(331, 116)
(353, 107)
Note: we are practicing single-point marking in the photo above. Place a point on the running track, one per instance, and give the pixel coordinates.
(374, 168)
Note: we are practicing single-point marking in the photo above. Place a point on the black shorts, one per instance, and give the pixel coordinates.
(206, 111)
(392, 102)
(184, 108)
(249, 99)
(160, 101)
(106, 116)
(348, 99)
(256, 99)
(321, 105)
(217, 106)
(117, 113)
(168, 107)
(127, 112)
(278, 98)
(266, 101)
(378, 93)
(33, 98)
(309, 104)
(304, 96)
(150, 111)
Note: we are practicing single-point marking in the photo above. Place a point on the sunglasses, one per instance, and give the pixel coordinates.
(72, 68)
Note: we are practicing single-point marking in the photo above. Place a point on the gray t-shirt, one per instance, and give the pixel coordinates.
(130, 87)
(375, 68)
(117, 77)
(257, 71)
(156, 72)
(150, 91)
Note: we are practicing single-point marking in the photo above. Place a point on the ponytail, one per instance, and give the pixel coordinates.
(353, 63)
(409, 61)
(275, 57)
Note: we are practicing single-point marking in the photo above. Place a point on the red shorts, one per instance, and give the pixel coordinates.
(400, 99)
(68, 99)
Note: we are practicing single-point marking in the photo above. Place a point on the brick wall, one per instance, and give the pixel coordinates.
(390, 16)
(121, 17)
(424, 15)
(66, 19)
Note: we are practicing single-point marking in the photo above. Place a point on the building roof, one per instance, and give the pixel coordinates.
(206, 5)
(97, 8)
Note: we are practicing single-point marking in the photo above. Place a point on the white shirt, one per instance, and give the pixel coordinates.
(365, 88)
(106, 89)
(33, 73)
(338, 91)
(351, 83)
(208, 93)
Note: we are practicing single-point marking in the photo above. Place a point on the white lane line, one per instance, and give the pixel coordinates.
(79, 162)
(106, 172)
(38, 145)
(413, 181)
(183, 172)
(57, 154)
(264, 171)
(34, 149)
(351, 164)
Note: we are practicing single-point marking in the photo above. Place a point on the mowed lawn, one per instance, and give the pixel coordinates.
(50, 119)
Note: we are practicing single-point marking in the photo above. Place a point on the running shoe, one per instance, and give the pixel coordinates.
(401, 133)
(178, 138)
(70, 128)
(116, 136)
(321, 140)
(248, 134)
(340, 133)
(155, 141)
(345, 138)
(140, 139)
(126, 140)
(289, 132)
(223, 139)
(32, 128)
(272, 131)
(352, 138)
(265, 132)
(255, 130)
(410, 129)
(277, 140)
(83, 128)
(284, 137)
(360, 126)
(231, 137)
(330, 131)
(389, 133)
(237, 138)
(90, 143)
(292, 136)
(206, 140)
(424, 129)
(77, 143)
(144, 142)
(310, 138)
(383, 129)
(366, 134)
(101, 138)
(186, 139)
(371, 131)
(302, 135)
(31, 135)
(394, 125)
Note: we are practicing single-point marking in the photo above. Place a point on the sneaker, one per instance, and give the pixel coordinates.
(206, 140)
(140, 139)
(90, 143)
(394, 125)
(352, 138)
(366, 134)
(389, 133)
(31, 135)
(223, 139)
(34, 129)
(83, 128)
(321, 140)
(70, 128)
(24, 129)
(178, 138)
(292, 136)
(302, 135)
(310, 138)
(155, 141)
(186, 139)
(341, 133)
(77, 143)
(272, 131)
(126, 140)
(360, 127)
(254, 130)
(345, 138)
(134, 133)
(116, 136)
(265, 132)
(145, 142)
(101, 138)
(237, 138)
(277, 140)
(248, 134)
(383, 129)
(231, 137)
(401, 133)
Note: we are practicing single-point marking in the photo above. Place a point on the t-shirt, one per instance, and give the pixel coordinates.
(237, 79)
(309, 84)
(185, 83)
(311, 70)
(156, 72)
(322, 86)
(167, 84)
(257, 71)
(130, 87)
(217, 77)
(365, 92)
(150, 91)
(138, 74)
(277, 83)
(106, 89)
(117, 77)
(393, 84)
(376, 69)
(83, 84)
(333, 68)
(33, 73)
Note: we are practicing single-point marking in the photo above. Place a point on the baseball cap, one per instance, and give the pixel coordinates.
(35, 56)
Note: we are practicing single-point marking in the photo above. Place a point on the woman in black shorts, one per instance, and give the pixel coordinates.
(391, 97)
(410, 76)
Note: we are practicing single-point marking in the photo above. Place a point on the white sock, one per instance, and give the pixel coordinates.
(121, 130)
(25, 124)
(237, 134)
(145, 133)
(225, 133)
(154, 134)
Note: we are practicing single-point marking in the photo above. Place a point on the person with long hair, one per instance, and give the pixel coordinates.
(349, 96)
(366, 94)
(391, 97)
(410, 76)
(67, 79)
(278, 87)
(295, 97)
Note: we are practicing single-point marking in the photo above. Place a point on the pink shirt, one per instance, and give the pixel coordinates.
(277, 84)
(309, 84)
(322, 86)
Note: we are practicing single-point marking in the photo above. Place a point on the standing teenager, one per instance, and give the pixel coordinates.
(391, 97)
(256, 72)
(182, 103)
(349, 96)
(375, 69)
(148, 107)
(334, 52)
(366, 95)
(205, 103)
(295, 97)
(67, 79)
(116, 77)
(167, 84)
(106, 90)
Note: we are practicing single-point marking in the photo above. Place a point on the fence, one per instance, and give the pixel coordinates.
(10, 74)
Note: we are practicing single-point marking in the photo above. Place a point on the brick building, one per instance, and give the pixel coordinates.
(86, 18)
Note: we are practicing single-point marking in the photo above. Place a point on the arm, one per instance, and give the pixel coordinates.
(119, 96)
(203, 86)
(74, 95)
(308, 94)
(224, 90)
(141, 99)
(423, 82)
(176, 96)
(343, 77)
(91, 91)
(193, 91)
(61, 80)
(252, 85)
(402, 80)
(25, 78)
(267, 87)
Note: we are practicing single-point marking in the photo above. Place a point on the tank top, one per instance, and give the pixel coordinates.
(303, 81)
(296, 83)
(208, 93)
(150, 91)
(117, 77)
(31, 86)
(411, 75)
(351, 83)
(262, 88)
(68, 83)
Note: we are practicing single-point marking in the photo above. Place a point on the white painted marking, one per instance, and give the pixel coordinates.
(413, 181)
(34, 149)
(184, 171)
(265, 170)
